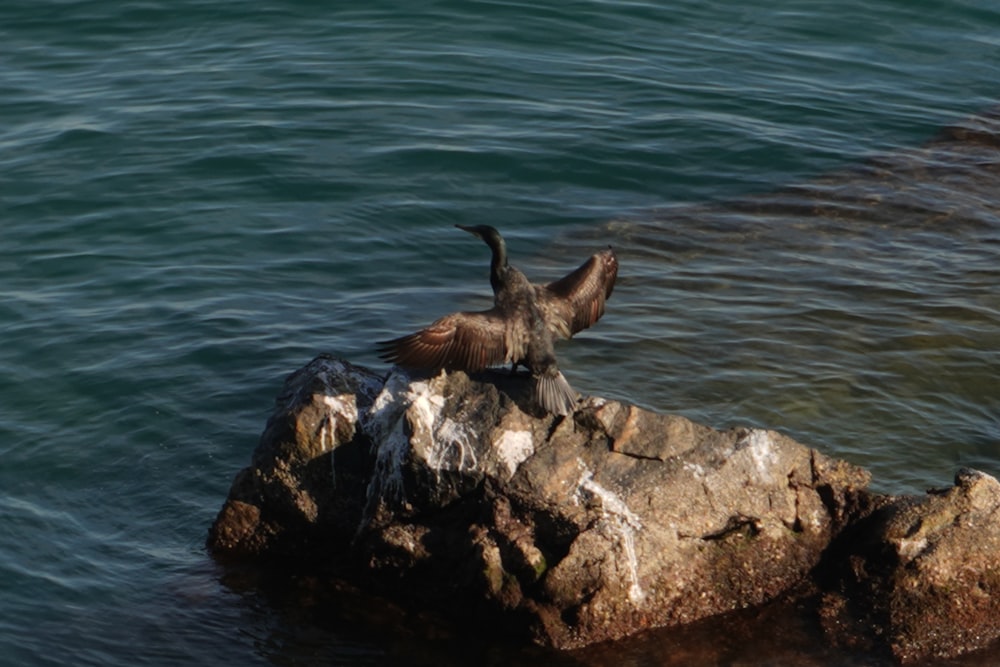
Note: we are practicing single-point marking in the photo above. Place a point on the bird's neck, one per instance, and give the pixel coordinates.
(498, 265)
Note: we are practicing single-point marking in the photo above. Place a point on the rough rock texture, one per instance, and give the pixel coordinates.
(920, 575)
(291, 502)
(448, 490)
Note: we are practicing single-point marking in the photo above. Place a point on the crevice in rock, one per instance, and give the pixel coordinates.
(745, 525)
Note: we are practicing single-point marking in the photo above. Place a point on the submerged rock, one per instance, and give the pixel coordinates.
(449, 491)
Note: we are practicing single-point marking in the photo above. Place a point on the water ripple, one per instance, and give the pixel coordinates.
(199, 197)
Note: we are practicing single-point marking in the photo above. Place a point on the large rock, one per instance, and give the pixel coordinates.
(920, 575)
(449, 491)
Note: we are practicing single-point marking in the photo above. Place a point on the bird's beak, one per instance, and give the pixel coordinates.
(468, 229)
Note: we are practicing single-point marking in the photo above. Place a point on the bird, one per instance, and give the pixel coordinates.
(520, 329)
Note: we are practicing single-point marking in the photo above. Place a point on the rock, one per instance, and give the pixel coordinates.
(449, 492)
(921, 575)
(290, 502)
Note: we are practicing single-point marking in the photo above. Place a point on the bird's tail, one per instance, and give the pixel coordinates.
(554, 394)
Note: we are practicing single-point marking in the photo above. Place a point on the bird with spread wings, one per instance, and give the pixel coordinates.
(521, 327)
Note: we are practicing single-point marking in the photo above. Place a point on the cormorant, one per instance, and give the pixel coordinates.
(520, 328)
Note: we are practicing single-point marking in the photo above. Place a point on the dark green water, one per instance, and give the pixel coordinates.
(199, 197)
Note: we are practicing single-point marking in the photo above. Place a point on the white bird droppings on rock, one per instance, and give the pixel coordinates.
(514, 447)
(451, 448)
(386, 422)
(343, 406)
(762, 451)
(622, 522)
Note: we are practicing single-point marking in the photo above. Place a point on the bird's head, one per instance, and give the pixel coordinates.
(493, 239)
(488, 234)
(485, 232)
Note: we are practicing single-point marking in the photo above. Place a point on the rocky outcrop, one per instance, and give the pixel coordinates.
(449, 491)
(919, 575)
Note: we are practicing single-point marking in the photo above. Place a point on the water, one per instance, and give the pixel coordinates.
(199, 197)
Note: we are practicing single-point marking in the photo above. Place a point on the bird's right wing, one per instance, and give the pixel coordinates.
(460, 341)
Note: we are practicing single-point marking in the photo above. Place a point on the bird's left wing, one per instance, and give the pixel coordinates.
(577, 300)
(465, 341)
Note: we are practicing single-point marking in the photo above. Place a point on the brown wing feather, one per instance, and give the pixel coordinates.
(466, 341)
(576, 301)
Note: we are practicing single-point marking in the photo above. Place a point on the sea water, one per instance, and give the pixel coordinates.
(199, 197)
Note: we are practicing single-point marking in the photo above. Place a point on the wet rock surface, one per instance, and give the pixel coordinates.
(919, 576)
(448, 492)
